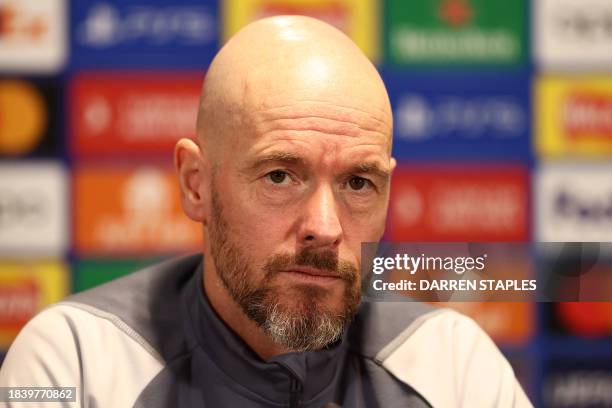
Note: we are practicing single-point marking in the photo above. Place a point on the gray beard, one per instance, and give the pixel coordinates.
(306, 326)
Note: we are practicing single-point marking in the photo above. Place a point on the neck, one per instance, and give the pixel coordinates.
(233, 316)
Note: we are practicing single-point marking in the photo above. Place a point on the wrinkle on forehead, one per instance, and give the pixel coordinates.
(324, 117)
(317, 124)
(328, 155)
(320, 107)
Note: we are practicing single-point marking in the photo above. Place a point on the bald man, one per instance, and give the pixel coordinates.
(289, 174)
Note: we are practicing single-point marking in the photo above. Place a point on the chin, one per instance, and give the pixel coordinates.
(306, 297)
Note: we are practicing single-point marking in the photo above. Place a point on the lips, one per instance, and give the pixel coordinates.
(313, 273)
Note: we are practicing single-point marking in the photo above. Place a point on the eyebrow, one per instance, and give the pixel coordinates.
(276, 157)
(370, 168)
(291, 158)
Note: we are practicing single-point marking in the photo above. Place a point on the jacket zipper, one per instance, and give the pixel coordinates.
(295, 392)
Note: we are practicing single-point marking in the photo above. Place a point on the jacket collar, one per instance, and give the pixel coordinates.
(317, 372)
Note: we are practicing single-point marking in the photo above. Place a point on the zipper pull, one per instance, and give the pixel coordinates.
(295, 392)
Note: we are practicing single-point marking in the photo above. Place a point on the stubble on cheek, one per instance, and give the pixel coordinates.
(300, 316)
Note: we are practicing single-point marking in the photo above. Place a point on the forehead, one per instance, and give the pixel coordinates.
(311, 119)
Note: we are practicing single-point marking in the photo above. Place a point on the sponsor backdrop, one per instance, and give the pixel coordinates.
(503, 132)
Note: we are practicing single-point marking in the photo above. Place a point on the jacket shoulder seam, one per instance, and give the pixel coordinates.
(120, 324)
(400, 339)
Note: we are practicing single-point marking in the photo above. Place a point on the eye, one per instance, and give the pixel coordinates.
(358, 183)
(278, 177)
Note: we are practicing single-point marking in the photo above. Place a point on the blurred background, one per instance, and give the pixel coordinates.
(503, 132)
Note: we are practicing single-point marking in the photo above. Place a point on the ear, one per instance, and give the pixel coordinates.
(193, 172)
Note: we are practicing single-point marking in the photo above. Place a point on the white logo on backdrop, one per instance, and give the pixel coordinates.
(106, 26)
(573, 34)
(475, 117)
(574, 203)
(98, 115)
(409, 205)
(33, 203)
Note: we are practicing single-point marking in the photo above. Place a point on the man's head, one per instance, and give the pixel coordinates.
(290, 174)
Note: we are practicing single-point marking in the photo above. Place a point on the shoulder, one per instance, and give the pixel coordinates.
(66, 345)
(146, 303)
(379, 323)
(438, 349)
(120, 327)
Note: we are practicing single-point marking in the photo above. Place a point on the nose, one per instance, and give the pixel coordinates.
(320, 224)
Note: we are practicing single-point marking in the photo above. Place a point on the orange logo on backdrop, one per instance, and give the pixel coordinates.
(588, 319)
(588, 113)
(16, 25)
(332, 13)
(25, 289)
(456, 13)
(359, 19)
(23, 117)
(131, 211)
(573, 116)
(18, 304)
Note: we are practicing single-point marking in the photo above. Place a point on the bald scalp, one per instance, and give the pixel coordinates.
(278, 62)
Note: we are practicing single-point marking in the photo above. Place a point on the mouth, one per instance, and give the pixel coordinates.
(309, 274)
